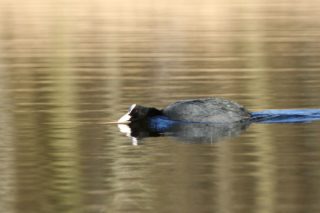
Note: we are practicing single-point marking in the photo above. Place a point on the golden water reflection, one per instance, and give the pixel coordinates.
(67, 68)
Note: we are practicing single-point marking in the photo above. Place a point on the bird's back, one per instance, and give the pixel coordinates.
(213, 110)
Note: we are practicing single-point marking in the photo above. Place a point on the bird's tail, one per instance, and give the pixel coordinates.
(286, 116)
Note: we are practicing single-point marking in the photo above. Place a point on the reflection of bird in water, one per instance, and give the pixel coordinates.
(186, 132)
(204, 120)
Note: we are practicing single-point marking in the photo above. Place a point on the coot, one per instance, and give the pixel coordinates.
(205, 110)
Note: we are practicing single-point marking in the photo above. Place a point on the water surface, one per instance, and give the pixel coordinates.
(67, 68)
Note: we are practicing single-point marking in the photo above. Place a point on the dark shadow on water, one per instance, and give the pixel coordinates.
(213, 132)
(184, 132)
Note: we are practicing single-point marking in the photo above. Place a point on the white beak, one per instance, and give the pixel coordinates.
(125, 118)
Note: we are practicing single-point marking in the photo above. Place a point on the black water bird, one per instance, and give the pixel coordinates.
(203, 120)
(206, 110)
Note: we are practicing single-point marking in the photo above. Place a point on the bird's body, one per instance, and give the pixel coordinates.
(206, 110)
(204, 120)
(212, 110)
